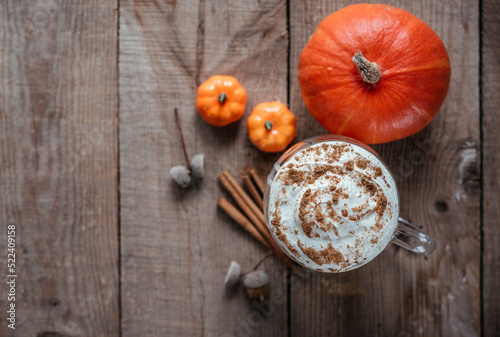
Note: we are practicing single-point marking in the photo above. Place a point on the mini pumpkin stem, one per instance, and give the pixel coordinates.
(370, 71)
(268, 125)
(222, 98)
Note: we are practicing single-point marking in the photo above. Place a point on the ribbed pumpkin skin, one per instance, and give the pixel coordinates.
(415, 73)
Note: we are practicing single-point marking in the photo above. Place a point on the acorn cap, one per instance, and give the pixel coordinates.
(180, 175)
(256, 279)
(258, 294)
(233, 274)
(196, 165)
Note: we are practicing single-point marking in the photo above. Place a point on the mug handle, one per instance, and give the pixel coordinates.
(412, 238)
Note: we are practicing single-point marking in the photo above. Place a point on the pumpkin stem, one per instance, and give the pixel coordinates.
(268, 125)
(222, 98)
(370, 71)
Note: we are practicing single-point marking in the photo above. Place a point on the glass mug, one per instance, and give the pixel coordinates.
(404, 234)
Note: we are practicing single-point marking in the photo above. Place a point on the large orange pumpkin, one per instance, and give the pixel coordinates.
(374, 72)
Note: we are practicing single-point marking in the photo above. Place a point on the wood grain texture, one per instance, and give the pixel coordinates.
(59, 175)
(176, 244)
(58, 165)
(437, 171)
(490, 74)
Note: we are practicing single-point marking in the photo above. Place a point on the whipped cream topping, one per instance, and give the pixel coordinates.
(333, 206)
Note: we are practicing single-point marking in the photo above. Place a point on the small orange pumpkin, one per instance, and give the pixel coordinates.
(221, 100)
(271, 126)
(374, 72)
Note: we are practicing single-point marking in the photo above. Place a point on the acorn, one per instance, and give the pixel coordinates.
(256, 285)
(196, 165)
(233, 274)
(180, 174)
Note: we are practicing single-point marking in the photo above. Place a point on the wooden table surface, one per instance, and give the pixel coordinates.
(108, 245)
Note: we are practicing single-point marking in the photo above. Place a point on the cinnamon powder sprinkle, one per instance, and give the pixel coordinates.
(362, 163)
(360, 208)
(336, 218)
(334, 153)
(381, 205)
(335, 198)
(319, 171)
(320, 257)
(283, 238)
(276, 223)
(378, 172)
(307, 226)
(369, 185)
(278, 203)
(293, 176)
(349, 166)
(320, 217)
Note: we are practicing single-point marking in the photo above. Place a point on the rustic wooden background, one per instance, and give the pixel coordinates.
(107, 245)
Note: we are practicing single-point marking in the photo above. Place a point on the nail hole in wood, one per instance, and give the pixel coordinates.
(441, 206)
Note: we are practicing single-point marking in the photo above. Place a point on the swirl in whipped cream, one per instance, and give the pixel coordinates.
(333, 206)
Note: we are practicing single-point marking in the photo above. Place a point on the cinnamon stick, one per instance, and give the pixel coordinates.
(253, 191)
(254, 208)
(241, 220)
(258, 181)
(246, 224)
(255, 215)
(245, 208)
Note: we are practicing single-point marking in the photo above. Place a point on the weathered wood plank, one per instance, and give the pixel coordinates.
(176, 245)
(58, 165)
(490, 75)
(437, 171)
